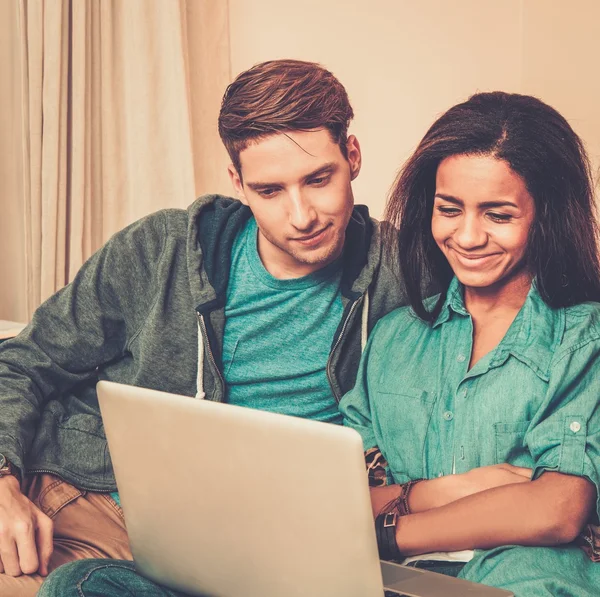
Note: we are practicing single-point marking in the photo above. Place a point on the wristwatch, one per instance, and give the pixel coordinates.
(6, 468)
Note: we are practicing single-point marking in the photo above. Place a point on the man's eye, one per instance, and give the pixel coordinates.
(267, 192)
(319, 181)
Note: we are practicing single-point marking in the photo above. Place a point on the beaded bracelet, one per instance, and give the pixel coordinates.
(402, 500)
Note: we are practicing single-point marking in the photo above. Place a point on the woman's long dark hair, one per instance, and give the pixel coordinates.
(539, 145)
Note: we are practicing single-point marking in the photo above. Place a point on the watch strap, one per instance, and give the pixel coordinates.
(7, 469)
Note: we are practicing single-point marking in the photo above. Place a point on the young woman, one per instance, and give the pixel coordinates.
(503, 366)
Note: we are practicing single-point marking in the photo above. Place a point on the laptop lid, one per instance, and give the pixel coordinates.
(228, 501)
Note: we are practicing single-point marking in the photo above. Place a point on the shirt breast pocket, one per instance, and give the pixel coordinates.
(402, 417)
(510, 443)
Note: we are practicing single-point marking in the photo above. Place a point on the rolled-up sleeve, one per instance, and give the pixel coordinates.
(565, 435)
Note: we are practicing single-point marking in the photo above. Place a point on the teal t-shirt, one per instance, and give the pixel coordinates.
(278, 335)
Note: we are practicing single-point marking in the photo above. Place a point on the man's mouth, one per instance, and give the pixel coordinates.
(312, 238)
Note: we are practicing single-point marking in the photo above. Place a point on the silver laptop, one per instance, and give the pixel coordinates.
(234, 502)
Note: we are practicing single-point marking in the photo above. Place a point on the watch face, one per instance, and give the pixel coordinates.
(2, 461)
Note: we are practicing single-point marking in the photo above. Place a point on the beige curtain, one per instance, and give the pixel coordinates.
(119, 107)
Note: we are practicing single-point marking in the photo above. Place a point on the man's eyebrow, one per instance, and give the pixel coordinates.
(257, 186)
(325, 169)
(483, 205)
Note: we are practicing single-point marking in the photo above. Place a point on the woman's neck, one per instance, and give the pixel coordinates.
(505, 297)
(492, 313)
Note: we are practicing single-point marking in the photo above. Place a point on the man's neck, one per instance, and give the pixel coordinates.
(282, 265)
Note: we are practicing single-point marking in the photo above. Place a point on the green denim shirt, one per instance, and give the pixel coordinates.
(531, 402)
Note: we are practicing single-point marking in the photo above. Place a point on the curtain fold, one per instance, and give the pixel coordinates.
(120, 103)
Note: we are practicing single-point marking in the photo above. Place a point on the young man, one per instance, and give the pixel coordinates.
(186, 303)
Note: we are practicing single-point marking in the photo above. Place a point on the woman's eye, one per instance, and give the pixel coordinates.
(448, 211)
(501, 218)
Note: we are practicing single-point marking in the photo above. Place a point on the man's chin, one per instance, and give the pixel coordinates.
(321, 256)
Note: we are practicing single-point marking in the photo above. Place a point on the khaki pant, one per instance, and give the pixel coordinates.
(86, 525)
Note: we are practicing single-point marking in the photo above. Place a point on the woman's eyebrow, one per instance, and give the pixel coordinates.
(449, 198)
(483, 204)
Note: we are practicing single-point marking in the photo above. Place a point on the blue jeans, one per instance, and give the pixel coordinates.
(118, 578)
(101, 578)
(441, 567)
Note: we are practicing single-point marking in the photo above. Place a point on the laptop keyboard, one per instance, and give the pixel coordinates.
(394, 594)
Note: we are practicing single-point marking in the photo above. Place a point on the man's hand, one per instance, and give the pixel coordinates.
(25, 532)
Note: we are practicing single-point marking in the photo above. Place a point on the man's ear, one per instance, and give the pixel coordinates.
(238, 185)
(354, 156)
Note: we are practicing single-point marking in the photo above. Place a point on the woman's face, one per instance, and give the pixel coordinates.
(482, 215)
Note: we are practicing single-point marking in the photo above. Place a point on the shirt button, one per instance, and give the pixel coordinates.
(461, 358)
(574, 426)
(448, 415)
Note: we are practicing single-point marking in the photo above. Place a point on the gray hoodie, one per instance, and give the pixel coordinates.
(148, 309)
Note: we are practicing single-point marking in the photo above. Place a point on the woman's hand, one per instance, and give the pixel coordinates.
(495, 475)
(444, 490)
(382, 496)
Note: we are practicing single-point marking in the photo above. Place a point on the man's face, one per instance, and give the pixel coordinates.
(297, 185)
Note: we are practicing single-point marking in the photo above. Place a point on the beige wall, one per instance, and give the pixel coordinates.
(561, 45)
(12, 241)
(405, 62)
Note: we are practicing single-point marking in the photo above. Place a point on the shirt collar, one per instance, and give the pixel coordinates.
(454, 303)
(533, 336)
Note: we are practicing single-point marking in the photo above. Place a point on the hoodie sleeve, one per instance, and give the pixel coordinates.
(83, 326)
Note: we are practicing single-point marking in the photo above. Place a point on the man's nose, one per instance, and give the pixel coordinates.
(302, 214)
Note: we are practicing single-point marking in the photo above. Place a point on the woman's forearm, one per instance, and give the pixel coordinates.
(425, 495)
(549, 511)
(440, 491)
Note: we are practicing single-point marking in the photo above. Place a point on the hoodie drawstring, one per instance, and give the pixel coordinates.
(364, 330)
(200, 394)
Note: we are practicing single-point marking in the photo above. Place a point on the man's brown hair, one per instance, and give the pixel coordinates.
(283, 95)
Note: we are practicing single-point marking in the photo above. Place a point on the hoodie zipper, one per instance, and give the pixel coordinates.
(337, 343)
(209, 350)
